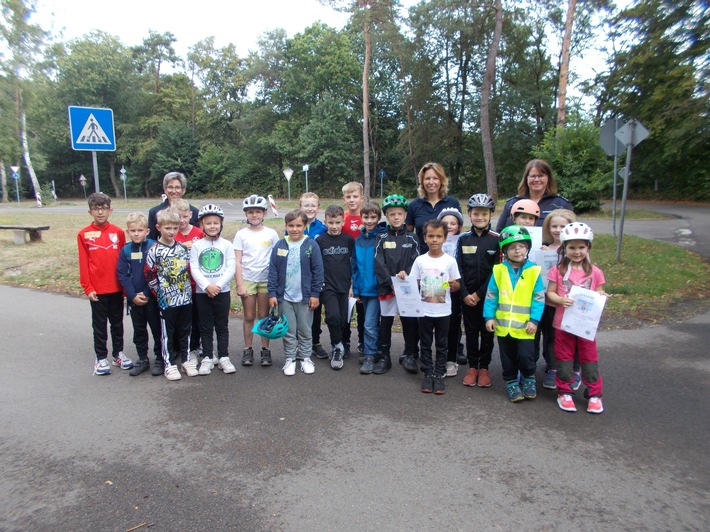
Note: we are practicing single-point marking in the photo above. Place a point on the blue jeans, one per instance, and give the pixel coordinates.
(371, 306)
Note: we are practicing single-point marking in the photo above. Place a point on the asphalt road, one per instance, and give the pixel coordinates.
(339, 451)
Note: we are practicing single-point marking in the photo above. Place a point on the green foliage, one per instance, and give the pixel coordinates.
(176, 150)
(582, 169)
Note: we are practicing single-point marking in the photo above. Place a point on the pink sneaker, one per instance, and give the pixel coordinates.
(566, 403)
(595, 405)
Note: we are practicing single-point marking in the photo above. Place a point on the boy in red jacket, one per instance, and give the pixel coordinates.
(99, 247)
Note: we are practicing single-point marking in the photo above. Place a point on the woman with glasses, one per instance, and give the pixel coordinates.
(174, 185)
(538, 184)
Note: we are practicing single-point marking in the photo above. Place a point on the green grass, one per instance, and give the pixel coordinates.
(648, 286)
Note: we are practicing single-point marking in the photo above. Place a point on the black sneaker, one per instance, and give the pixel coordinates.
(402, 357)
(367, 365)
(361, 349)
(428, 384)
(158, 367)
(439, 386)
(410, 364)
(382, 365)
(139, 367)
(265, 356)
(336, 361)
(346, 350)
(319, 352)
(248, 357)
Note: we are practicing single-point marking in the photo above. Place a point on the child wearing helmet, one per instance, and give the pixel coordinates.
(476, 253)
(395, 252)
(525, 212)
(513, 308)
(252, 250)
(212, 265)
(575, 269)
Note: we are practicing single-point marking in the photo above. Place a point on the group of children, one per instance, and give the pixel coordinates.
(178, 286)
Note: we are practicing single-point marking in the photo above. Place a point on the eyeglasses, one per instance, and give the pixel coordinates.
(101, 209)
(173, 189)
(537, 177)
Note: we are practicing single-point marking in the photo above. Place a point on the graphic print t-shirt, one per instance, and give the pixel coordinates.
(434, 275)
(168, 274)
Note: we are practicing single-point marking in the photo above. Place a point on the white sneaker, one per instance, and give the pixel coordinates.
(101, 367)
(226, 365)
(289, 368)
(122, 361)
(206, 366)
(307, 366)
(172, 373)
(452, 369)
(190, 368)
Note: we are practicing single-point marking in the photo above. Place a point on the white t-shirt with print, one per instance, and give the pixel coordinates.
(434, 275)
(256, 252)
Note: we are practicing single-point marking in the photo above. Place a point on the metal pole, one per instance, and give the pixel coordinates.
(306, 180)
(289, 189)
(616, 166)
(17, 191)
(627, 178)
(96, 171)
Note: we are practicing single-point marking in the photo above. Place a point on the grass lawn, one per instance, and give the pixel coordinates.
(654, 282)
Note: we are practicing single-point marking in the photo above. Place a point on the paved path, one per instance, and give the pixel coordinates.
(336, 450)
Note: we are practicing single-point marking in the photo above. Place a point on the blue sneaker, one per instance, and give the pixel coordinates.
(577, 382)
(101, 367)
(122, 361)
(550, 380)
(515, 394)
(529, 388)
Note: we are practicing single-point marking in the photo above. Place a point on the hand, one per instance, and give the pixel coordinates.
(491, 325)
(241, 291)
(93, 296)
(140, 300)
(567, 302)
(454, 286)
(471, 300)
(531, 328)
(313, 303)
(273, 302)
(213, 290)
(402, 275)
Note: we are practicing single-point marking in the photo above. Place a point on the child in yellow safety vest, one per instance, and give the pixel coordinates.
(513, 307)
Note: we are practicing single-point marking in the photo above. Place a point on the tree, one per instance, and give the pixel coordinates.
(564, 65)
(488, 78)
(156, 49)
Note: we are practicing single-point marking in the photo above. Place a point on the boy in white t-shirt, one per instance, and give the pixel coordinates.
(252, 249)
(438, 275)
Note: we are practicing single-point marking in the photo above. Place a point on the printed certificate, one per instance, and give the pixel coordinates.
(546, 260)
(406, 293)
(582, 318)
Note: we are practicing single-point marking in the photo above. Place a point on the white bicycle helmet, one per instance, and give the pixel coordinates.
(254, 202)
(576, 231)
(451, 211)
(481, 201)
(210, 208)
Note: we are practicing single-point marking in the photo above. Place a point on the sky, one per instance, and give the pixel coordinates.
(239, 22)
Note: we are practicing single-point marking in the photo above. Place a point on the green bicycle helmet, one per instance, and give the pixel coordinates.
(514, 233)
(395, 200)
(273, 326)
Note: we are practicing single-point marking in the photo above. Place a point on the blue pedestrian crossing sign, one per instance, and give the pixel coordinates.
(91, 129)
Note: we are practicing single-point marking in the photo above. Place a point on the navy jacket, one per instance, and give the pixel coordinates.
(395, 251)
(130, 269)
(311, 269)
(476, 256)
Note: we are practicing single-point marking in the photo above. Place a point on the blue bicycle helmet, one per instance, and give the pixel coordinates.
(273, 326)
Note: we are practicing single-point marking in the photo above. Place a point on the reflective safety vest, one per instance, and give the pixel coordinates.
(513, 311)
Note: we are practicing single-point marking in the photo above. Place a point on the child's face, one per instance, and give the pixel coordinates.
(295, 229)
(185, 217)
(452, 224)
(334, 224)
(435, 238)
(168, 230)
(557, 223)
(211, 225)
(310, 207)
(255, 216)
(525, 219)
(517, 252)
(480, 218)
(395, 216)
(100, 213)
(353, 201)
(577, 250)
(370, 221)
(137, 232)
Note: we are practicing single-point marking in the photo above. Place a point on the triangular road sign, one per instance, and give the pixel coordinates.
(92, 133)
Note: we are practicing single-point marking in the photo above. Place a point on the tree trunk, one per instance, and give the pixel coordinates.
(486, 134)
(564, 66)
(112, 177)
(366, 106)
(26, 155)
(3, 181)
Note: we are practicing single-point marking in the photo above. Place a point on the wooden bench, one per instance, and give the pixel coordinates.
(21, 232)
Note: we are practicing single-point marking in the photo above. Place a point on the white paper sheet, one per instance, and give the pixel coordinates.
(582, 318)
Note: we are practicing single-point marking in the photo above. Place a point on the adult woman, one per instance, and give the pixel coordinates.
(433, 186)
(538, 184)
(174, 185)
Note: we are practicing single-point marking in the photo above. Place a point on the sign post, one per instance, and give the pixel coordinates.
(305, 169)
(123, 178)
(91, 129)
(14, 173)
(287, 174)
(612, 146)
(382, 176)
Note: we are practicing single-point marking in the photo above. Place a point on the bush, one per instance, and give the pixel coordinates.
(582, 169)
